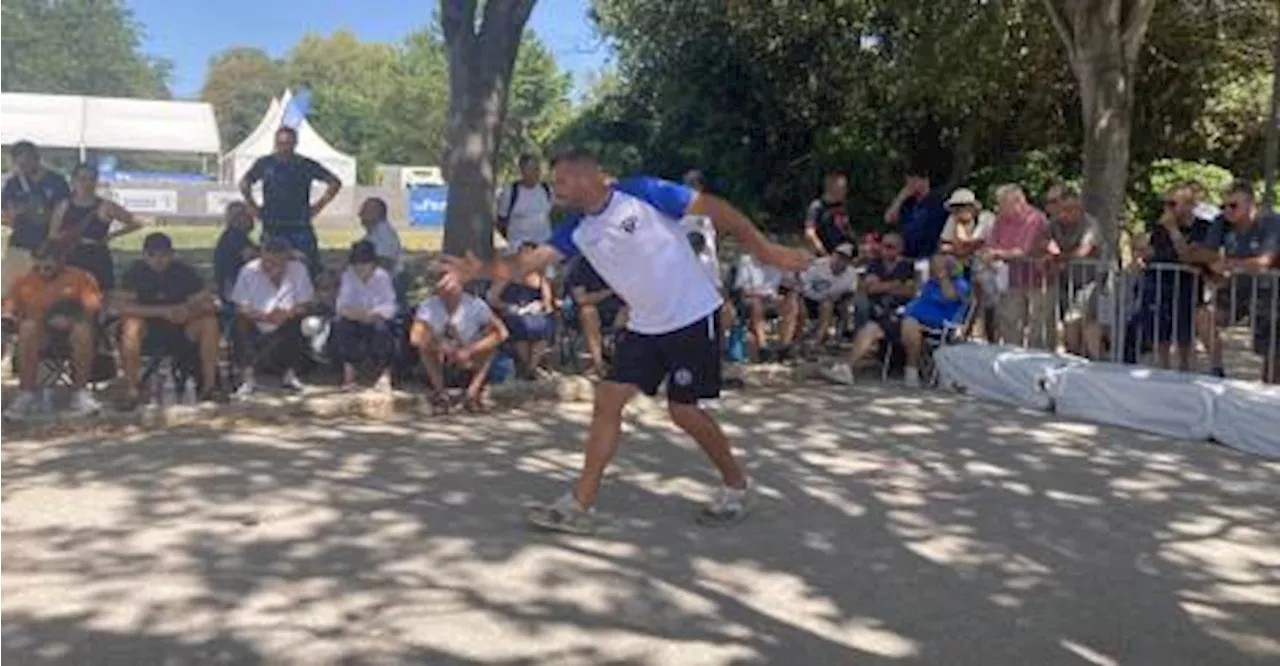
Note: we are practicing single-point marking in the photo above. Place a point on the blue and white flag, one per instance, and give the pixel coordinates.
(296, 112)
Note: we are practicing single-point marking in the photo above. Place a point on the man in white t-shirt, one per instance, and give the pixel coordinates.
(379, 231)
(766, 294)
(524, 207)
(827, 286)
(629, 230)
(272, 294)
(454, 330)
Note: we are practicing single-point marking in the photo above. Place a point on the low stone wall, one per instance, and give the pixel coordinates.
(331, 403)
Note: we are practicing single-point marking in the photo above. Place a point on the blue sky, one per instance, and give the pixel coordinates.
(188, 33)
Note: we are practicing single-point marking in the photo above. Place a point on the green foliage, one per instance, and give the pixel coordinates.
(80, 47)
(384, 103)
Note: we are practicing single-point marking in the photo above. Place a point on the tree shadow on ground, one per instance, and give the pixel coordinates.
(892, 528)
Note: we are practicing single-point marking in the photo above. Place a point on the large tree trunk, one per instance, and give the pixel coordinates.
(481, 59)
(1272, 153)
(1103, 39)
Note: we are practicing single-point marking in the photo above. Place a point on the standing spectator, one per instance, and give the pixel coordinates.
(28, 200)
(55, 305)
(1169, 292)
(920, 215)
(524, 207)
(700, 224)
(1053, 200)
(941, 302)
(711, 266)
(165, 307)
(826, 222)
(966, 229)
(889, 282)
(454, 330)
(379, 231)
(85, 220)
(598, 309)
(235, 247)
(763, 294)
(1250, 243)
(1204, 210)
(826, 287)
(272, 294)
(526, 306)
(365, 306)
(286, 211)
(1074, 236)
(1018, 240)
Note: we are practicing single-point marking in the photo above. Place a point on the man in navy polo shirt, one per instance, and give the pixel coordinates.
(286, 210)
(920, 214)
(629, 231)
(29, 198)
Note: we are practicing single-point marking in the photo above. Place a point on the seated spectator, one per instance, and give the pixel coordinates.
(1074, 236)
(1169, 293)
(54, 305)
(1250, 243)
(889, 282)
(455, 331)
(383, 236)
(827, 286)
(527, 306)
(165, 308)
(234, 249)
(706, 253)
(364, 308)
(599, 309)
(764, 294)
(272, 294)
(941, 302)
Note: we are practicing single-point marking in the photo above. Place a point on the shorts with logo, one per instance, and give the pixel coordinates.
(687, 358)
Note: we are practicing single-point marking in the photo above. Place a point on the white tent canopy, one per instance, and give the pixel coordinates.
(261, 141)
(108, 123)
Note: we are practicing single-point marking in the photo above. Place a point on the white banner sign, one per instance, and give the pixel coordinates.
(147, 201)
(215, 203)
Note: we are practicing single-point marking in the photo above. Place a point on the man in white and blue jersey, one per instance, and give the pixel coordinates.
(630, 232)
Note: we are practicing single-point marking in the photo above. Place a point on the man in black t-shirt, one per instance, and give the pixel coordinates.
(166, 308)
(235, 248)
(890, 281)
(286, 209)
(28, 200)
(826, 222)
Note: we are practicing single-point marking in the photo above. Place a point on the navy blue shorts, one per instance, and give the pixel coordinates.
(529, 328)
(687, 358)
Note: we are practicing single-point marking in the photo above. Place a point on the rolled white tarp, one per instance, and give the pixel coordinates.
(1174, 404)
(1012, 375)
(1247, 417)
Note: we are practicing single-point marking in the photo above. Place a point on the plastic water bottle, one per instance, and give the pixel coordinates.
(166, 389)
(189, 391)
(736, 349)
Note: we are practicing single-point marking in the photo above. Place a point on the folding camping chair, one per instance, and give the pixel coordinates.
(934, 338)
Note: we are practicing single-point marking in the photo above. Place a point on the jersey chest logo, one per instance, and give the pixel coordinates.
(629, 224)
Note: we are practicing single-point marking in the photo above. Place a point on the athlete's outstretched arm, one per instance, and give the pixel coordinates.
(461, 270)
(729, 220)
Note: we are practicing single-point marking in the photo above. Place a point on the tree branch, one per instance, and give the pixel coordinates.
(458, 19)
(1133, 29)
(1062, 28)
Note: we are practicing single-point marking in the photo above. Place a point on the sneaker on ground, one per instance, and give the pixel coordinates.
(911, 377)
(289, 381)
(563, 515)
(246, 390)
(728, 506)
(83, 404)
(839, 373)
(26, 404)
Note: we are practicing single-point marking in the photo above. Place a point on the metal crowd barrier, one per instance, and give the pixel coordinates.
(1127, 314)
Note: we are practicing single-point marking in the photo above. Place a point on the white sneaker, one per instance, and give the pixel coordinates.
(911, 377)
(728, 506)
(246, 390)
(839, 373)
(290, 382)
(26, 404)
(83, 404)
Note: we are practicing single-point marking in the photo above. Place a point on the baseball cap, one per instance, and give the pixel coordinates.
(845, 250)
(156, 243)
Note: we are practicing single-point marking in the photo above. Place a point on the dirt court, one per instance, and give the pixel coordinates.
(891, 529)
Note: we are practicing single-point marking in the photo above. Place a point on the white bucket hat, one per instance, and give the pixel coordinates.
(962, 197)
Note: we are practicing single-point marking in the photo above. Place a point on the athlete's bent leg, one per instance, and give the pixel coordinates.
(707, 433)
(602, 438)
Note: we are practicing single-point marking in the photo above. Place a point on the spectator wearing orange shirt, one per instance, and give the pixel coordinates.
(54, 304)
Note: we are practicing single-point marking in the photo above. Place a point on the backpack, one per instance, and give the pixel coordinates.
(515, 194)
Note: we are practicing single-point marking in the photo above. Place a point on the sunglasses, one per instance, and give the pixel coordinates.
(1170, 204)
(890, 246)
(46, 269)
(1232, 205)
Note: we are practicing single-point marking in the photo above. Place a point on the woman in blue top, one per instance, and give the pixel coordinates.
(526, 305)
(942, 301)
